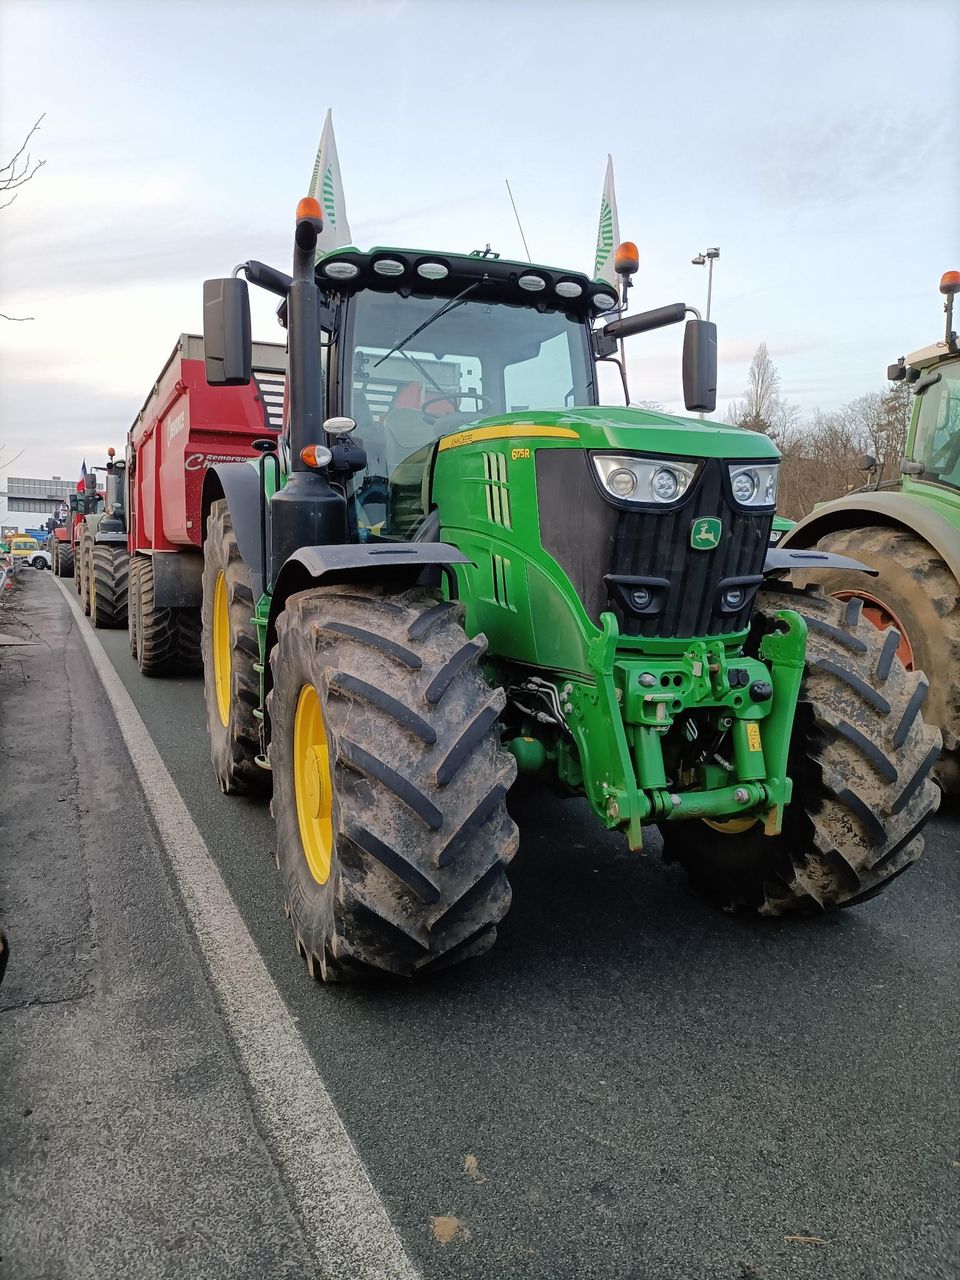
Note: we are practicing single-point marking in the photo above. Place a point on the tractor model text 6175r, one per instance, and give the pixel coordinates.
(455, 564)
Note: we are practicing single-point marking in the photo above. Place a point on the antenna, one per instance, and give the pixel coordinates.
(517, 216)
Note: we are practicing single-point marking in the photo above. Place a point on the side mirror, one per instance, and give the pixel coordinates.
(227, 346)
(72, 501)
(700, 366)
(866, 462)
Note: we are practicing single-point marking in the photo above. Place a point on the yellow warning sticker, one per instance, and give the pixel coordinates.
(753, 735)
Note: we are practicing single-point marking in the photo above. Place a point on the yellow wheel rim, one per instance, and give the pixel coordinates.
(313, 786)
(222, 659)
(731, 826)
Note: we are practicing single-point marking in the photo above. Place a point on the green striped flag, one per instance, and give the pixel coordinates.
(608, 233)
(326, 186)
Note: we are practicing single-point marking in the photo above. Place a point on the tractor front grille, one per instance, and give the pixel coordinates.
(639, 563)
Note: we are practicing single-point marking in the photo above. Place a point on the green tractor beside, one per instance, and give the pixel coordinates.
(456, 565)
(909, 532)
(102, 564)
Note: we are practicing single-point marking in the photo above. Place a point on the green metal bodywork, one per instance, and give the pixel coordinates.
(625, 710)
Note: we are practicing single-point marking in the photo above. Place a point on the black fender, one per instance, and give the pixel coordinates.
(239, 485)
(784, 559)
(401, 564)
(896, 510)
(177, 579)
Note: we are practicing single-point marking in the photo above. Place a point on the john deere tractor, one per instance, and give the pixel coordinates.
(909, 531)
(456, 565)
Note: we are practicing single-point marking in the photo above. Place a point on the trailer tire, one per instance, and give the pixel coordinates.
(916, 592)
(860, 760)
(83, 571)
(231, 685)
(133, 603)
(404, 810)
(109, 586)
(156, 629)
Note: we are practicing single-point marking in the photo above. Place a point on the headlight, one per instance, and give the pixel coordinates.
(644, 479)
(754, 484)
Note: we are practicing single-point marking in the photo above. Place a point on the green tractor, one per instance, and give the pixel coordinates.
(909, 532)
(456, 566)
(102, 562)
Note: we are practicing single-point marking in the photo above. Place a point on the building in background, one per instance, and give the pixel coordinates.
(29, 503)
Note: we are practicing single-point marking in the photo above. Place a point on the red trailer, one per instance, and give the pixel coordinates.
(184, 427)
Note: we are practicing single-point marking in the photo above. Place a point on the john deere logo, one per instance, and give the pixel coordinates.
(705, 534)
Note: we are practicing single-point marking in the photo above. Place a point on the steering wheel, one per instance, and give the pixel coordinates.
(482, 402)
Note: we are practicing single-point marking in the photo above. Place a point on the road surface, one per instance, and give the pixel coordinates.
(629, 1085)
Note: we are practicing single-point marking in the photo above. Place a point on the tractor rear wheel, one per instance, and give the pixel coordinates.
(168, 640)
(63, 560)
(83, 570)
(917, 594)
(860, 760)
(109, 586)
(231, 685)
(389, 784)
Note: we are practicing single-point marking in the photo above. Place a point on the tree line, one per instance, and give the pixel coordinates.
(821, 455)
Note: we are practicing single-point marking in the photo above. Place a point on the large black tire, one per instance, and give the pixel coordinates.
(234, 744)
(860, 760)
(83, 569)
(168, 640)
(920, 595)
(109, 586)
(420, 832)
(133, 605)
(63, 560)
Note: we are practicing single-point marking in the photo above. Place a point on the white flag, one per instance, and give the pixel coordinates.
(608, 233)
(327, 187)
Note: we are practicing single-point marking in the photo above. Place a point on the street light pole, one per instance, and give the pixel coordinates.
(709, 257)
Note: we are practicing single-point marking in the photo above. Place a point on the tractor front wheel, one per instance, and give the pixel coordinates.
(915, 593)
(860, 760)
(389, 784)
(231, 685)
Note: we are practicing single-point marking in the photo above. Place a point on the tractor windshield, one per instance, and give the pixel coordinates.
(471, 360)
(938, 428)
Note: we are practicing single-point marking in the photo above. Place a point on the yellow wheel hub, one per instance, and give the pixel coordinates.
(312, 783)
(731, 826)
(222, 657)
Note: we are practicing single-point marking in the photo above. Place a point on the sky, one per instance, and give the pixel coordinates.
(815, 144)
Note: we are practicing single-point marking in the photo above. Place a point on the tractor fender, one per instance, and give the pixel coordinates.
(176, 579)
(399, 563)
(239, 485)
(897, 510)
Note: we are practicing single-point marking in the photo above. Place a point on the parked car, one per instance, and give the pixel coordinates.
(29, 551)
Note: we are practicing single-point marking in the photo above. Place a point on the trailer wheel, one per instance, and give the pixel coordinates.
(917, 594)
(389, 784)
(133, 603)
(109, 586)
(860, 760)
(166, 640)
(231, 685)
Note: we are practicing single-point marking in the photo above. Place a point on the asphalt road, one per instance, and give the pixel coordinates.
(630, 1085)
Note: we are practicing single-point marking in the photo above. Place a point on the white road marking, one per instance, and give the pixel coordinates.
(344, 1219)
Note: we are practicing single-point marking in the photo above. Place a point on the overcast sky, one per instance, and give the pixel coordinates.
(815, 144)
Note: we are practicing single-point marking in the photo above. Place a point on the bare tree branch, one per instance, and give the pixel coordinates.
(18, 170)
(15, 319)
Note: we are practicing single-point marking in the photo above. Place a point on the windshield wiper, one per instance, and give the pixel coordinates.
(440, 311)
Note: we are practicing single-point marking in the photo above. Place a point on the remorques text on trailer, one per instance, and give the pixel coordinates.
(455, 563)
(909, 531)
(184, 428)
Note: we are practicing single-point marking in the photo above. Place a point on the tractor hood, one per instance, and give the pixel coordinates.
(609, 427)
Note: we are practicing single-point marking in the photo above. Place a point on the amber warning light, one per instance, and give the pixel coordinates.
(627, 258)
(950, 282)
(309, 208)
